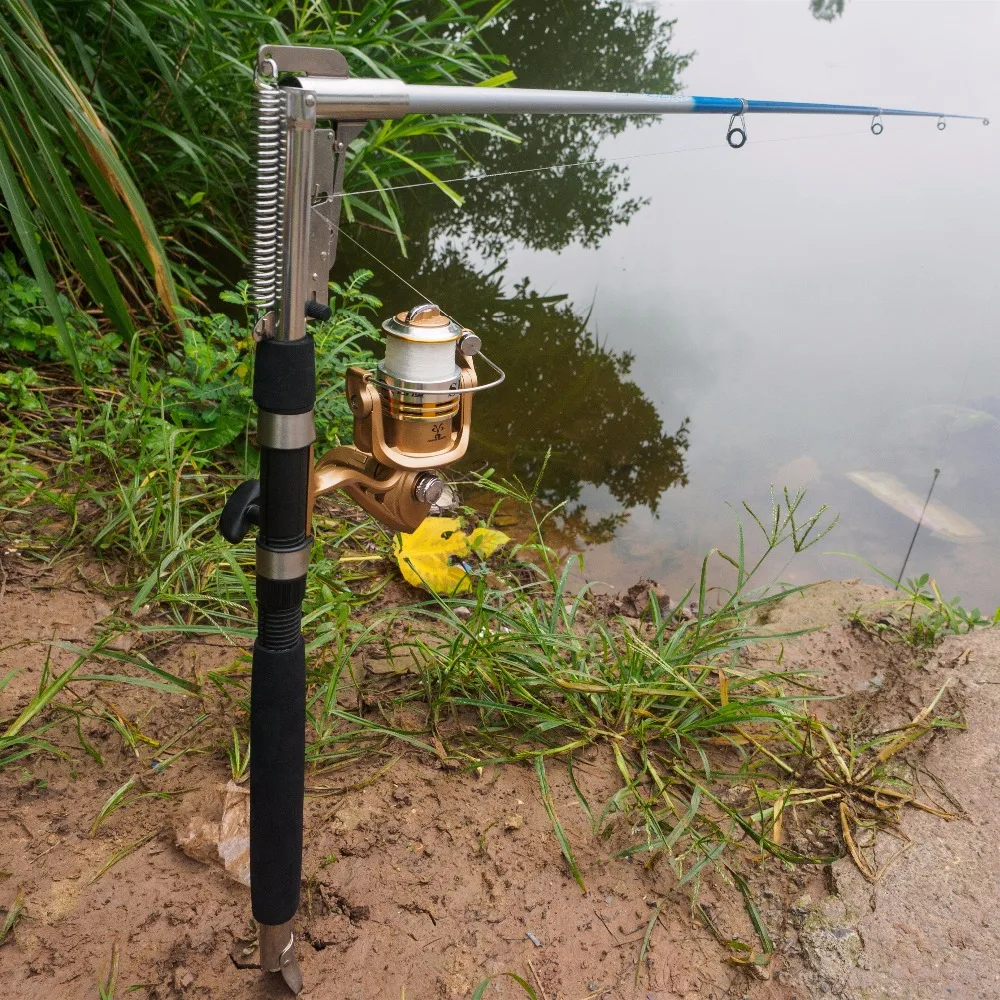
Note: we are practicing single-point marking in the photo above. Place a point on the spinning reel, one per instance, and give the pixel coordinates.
(412, 416)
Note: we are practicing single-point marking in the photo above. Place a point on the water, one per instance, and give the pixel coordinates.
(785, 313)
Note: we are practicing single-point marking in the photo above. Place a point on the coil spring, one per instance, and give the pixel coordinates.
(266, 255)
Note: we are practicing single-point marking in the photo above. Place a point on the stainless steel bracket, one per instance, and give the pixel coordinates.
(299, 59)
(329, 158)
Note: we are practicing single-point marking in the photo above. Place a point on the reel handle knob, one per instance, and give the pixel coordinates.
(241, 511)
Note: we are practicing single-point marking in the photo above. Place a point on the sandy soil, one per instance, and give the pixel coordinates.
(423, 881)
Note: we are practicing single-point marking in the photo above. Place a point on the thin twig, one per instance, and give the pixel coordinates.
(538, 981)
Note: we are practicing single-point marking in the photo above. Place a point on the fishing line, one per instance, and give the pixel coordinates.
(474, 178)
(937, 472)
(378, 260)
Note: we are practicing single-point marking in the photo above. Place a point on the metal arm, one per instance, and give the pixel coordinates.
(339, 98)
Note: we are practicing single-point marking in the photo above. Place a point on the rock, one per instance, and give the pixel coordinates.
(830, 941)
(635, 603)
(513, 822)
(219, 831)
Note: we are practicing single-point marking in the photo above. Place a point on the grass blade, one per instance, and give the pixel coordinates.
(550, 809)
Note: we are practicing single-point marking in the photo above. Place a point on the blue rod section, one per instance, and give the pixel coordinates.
(735, 106)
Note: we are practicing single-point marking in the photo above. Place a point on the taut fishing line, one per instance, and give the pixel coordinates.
(479, 178)
(475, 178)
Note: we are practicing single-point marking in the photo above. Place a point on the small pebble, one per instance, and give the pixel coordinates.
(513, 822)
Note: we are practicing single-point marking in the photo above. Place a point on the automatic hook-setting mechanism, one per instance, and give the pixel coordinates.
(412, 416)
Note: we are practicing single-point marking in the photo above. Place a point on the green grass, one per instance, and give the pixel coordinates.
(125, 134)
(521, 670)
(920, 616)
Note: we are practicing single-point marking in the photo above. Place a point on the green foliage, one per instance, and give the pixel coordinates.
(27, 328)
(210, 388)
(921, 617)
(345, 340)
(114, 113)
(574, 45)
(64, 183)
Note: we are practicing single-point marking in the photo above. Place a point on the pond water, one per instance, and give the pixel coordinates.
(819, 303)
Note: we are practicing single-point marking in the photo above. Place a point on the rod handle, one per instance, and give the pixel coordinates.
(277, 777)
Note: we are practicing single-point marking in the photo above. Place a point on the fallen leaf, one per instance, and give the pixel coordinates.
(485, 541)
(429, 556)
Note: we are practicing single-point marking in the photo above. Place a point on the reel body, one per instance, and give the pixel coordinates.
(406, 429)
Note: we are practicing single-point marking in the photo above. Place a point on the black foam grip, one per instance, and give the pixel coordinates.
(277, 777)
(284, 375)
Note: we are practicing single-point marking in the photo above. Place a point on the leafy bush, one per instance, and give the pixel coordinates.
(28, 329)
(211, 380)
(114, 113)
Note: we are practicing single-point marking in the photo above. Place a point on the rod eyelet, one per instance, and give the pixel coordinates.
(736, 135)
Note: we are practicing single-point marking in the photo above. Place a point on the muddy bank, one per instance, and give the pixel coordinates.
(422, 880)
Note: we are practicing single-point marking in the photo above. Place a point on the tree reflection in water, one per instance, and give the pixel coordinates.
(564, 390)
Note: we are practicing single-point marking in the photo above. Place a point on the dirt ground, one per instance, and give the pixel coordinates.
(419, 881)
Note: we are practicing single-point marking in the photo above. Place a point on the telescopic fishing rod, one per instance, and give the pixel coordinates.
(412, 414)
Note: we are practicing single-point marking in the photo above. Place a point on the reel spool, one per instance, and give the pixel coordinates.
(412, 416)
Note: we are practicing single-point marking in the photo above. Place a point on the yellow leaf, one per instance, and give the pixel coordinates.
(485, 541)
(425, 556)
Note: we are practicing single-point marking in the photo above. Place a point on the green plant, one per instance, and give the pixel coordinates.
(480, 991)
(52, 140)
(29, 331)
(12, 915)
(107, 983)
(684, 712)
(124, 128)
(239, 759)
(921, 616)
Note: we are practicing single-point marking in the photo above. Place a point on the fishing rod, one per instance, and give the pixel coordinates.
(412, 414)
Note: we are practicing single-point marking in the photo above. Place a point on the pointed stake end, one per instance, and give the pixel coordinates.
(277, 954)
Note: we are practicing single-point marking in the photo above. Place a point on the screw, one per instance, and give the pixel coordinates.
(469, 344)
(309, 100)
(355, 403)
(340, 147)
(428, 488)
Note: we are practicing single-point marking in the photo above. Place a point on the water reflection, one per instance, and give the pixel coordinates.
(566, 390)
(578, 45)
(800, 300)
